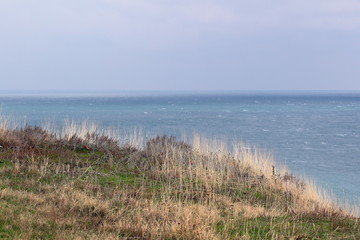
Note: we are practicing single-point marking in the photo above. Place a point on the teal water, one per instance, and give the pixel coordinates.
(316, 135)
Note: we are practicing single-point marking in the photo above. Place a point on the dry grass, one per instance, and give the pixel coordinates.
(81, 184)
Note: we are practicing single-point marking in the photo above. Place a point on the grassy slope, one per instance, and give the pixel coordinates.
(90, 188)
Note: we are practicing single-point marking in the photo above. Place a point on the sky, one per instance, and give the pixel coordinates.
(201, 45)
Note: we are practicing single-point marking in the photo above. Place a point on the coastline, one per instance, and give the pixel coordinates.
(80, 183)
(311, 135)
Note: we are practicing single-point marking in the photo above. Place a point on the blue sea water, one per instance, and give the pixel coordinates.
(315, 134)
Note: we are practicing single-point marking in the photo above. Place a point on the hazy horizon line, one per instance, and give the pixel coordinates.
(119, 93)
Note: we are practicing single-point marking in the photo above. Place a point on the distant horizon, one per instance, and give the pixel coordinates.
(180, 90)
(125, 93)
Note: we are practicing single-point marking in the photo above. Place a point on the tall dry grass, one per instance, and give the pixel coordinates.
(89, 186)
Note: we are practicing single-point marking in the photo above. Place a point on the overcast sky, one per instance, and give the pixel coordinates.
(179, 45)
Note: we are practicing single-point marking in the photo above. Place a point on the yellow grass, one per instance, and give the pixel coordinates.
(162, 190)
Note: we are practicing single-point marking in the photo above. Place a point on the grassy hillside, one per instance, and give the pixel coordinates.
(84, 185)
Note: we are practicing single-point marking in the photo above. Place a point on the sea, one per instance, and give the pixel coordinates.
(315, 134)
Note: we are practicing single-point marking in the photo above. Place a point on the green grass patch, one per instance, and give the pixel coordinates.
(303, 228)
(10, 209)
(8, 230)
(5, 163)
(118, 179)
(43, 230)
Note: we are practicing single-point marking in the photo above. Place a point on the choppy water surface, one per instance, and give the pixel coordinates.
(315, 135)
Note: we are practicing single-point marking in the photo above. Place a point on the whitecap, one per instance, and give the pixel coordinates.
(299, 161)
(341, 134)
